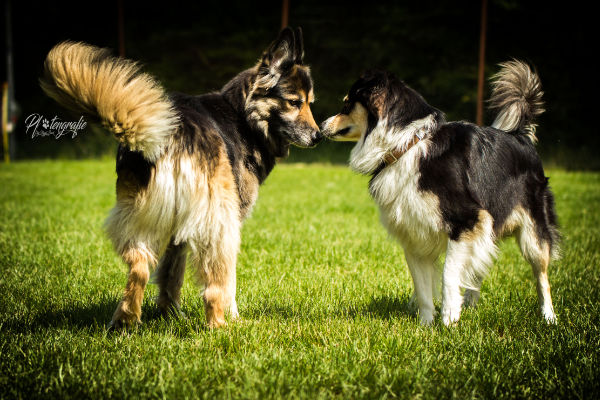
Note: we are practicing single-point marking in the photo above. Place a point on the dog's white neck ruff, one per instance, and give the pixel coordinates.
(419, 128)
(393, 156)
(390, 143)
(410, 215)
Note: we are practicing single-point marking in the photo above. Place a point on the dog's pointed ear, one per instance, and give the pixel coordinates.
(299, 46)
(280, 55)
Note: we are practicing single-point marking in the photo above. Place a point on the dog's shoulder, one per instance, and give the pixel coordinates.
(205, 110)
(450, 140)
(208, 122)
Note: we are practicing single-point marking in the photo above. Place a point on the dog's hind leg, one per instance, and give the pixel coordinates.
(169, 277)
(422, 270)
(540, 270)
(129, 310)
(538, 253)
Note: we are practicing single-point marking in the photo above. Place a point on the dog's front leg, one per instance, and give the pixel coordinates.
(422, 270)
(216, 265)
(457, 254)
(218, 277)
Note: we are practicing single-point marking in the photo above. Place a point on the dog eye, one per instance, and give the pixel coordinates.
(295, 103)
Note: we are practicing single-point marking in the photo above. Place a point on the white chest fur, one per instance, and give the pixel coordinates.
(410, 215)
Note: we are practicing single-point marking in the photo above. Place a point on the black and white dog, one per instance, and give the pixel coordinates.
(453, 186)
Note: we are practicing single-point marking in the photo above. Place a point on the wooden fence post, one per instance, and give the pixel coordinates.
(5, 122)
(481, 75)
(285, 11)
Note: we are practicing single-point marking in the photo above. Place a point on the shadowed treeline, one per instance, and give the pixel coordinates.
(432, 45)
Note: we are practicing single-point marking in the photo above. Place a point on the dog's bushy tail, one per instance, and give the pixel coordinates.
(517, 95)
(112, 91)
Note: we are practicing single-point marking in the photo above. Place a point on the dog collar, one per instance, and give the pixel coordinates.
(393, 155)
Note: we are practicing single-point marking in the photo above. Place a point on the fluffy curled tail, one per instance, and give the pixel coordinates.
(112, 90)
(517, 95)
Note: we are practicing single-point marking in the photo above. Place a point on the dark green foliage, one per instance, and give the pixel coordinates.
(432, 45)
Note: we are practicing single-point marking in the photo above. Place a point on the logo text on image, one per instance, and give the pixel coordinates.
(41, 126)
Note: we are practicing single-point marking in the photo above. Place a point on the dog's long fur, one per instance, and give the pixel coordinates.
(456, 187)
(188, 167)
(131, 104)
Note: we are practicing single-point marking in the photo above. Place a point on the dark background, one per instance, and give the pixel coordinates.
(432, 45)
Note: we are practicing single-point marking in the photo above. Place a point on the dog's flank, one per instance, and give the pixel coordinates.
(453, 186)
(517, 95)
(132, 104)
(188, 167)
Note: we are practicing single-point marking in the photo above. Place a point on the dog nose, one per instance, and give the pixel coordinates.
(315, 138)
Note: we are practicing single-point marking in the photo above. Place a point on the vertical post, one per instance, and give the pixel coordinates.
(285, 11)
(121, 23)
(5, 122)
(480, 77)
(8, 96)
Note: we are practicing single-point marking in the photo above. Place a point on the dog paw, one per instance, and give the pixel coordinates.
(427, 315)
(233, 312)
(413, 305)
(172, 311)
(121, 325)
(450, 317)
(216, 323)
(124, 319)
(426, 320)
(549, 316)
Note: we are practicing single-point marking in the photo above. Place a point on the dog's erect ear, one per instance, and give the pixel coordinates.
(299, 46)
(279, 56)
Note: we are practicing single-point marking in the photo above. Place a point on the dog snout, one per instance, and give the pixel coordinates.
(316, 137)
(325, 127)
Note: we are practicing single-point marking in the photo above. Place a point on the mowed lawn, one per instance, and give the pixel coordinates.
(322, 291)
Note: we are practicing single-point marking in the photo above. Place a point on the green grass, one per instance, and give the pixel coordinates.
(323, 294)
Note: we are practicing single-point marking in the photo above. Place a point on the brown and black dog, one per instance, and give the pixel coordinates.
(188, 167)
